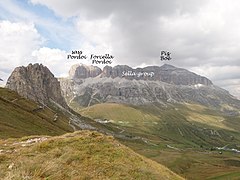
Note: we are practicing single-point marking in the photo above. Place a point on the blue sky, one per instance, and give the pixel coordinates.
(203, 36)
(45, 21)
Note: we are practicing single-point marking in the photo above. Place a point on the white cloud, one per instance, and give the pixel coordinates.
(202, 36)
(21, 44)
(16, 11)
(18, 40)
(195, 32)
(48, 55)
(55, 59)
(65, 8)
(97, 32)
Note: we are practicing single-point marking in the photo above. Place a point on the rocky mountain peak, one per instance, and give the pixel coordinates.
(36, 82)
(166, 73)
(79, 71)
(168, 66)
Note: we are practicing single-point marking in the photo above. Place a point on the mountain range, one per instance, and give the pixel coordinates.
(167, 114)
(89, 85)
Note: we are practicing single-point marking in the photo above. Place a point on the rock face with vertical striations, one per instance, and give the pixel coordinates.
(153, 84)
(37, 83)
(166, 73)
(79, 71)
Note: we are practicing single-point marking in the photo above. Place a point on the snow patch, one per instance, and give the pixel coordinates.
(198, 85)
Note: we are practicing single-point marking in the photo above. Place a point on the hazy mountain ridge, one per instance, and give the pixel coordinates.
(166, 73)
(169, 84)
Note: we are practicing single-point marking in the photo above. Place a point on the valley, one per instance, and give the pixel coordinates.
(168, 135)
(178, 123)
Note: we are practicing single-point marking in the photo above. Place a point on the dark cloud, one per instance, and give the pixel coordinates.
(140, 29)
(199, 34)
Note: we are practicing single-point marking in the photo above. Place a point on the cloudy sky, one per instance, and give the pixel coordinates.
(202, 36)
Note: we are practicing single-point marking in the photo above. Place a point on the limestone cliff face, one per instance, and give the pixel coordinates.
(79, 71)
(37, 83)
(152, 84)
(166, 73)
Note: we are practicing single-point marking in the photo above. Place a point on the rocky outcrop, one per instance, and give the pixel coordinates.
(123, 84)
(37, 83)
(166, 73)
(178, 76)
(80, 71)
(67, 86)
(139, 92)
(116, 71)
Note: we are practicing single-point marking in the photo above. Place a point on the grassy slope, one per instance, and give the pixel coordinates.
(121, 115)
(183, 125)
(18, 119)
(79, 155)
(186, 127)
(192, 164)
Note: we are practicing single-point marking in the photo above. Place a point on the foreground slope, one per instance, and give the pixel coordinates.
(80, 155)
(20, 117)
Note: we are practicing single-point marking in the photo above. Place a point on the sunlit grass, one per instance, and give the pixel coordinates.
(80, 155)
